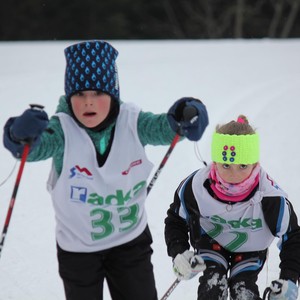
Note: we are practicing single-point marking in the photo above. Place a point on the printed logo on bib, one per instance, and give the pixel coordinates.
(78, 194)
(236, 227)
(133, 164)
(79, 172)
(118, 199)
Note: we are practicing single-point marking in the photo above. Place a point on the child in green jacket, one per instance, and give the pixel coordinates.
(99, 173)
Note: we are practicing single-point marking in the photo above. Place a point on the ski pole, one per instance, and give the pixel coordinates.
(175, 283)
(188, 113)
(14, 195)
(170, 289)
(163, 162)
(26, 149)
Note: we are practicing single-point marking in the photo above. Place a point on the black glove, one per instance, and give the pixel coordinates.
(24, 129)
(188, 117)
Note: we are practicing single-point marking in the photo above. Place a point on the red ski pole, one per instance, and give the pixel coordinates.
(188, 113)
(14, 195)
(170, 290)
(163, 162)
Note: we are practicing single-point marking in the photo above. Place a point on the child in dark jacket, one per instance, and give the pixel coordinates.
(230, 212)
(99, 173)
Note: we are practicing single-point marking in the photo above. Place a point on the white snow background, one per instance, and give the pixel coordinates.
(258, 78)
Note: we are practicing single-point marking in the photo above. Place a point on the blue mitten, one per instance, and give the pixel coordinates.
(188, 117)
(281, 289)
(24, 129)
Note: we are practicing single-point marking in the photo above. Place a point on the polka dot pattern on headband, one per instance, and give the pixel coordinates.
(235, 149)
(228, 153)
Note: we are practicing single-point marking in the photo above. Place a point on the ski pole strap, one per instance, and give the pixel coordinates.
(266, 294)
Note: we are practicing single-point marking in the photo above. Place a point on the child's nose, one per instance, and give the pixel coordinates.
(88, 100)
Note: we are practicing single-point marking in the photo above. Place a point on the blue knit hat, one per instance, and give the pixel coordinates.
(91, 65)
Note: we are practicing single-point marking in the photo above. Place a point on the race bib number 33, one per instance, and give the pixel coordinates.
(104, 222)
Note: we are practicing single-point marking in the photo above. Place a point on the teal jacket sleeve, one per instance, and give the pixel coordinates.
(154, 129)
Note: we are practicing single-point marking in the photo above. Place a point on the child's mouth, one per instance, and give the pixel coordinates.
(89, 114)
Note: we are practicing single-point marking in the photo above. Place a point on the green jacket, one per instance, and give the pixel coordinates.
(153, 129)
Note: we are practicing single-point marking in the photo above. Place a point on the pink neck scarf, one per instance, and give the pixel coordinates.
(233, 192)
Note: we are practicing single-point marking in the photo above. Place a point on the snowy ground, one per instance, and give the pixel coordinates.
(259, 78)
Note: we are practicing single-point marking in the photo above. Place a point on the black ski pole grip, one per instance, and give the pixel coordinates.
(189, 113)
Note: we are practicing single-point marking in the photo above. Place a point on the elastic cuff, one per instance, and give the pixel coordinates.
(177, 249)
(29, 141)
(289, 275)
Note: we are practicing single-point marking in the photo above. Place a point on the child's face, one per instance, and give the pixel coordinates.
(232, 173)
(90, 107)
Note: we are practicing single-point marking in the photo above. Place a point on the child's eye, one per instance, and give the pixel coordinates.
(98, 93)
(226, 166)
(78, 94)
(243, 167)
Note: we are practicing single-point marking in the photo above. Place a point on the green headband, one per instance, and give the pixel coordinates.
(235, 149)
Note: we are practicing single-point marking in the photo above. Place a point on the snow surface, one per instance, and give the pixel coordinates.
(259, 78)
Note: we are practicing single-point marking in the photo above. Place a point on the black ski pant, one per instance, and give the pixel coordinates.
(226, 271)
(127, 269)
